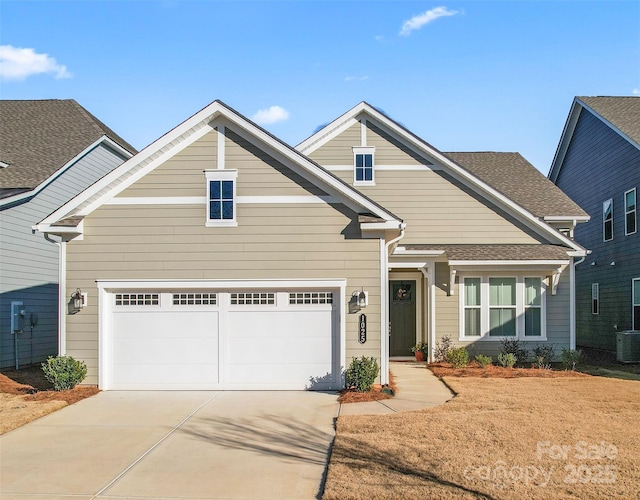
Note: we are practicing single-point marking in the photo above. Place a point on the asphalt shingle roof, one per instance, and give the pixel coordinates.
(38, 137)
(498, 252)
(518, 180)
(622, 112)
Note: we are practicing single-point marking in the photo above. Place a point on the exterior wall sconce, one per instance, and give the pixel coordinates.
(78, 301)
(359, 300)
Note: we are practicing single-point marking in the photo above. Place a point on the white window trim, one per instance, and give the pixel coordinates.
(221, 175)
(595, 295)
(634, 211)
(520, 308)
(462, 293)
(365, 150)
(610, 200)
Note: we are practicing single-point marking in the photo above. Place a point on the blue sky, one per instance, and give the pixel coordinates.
(465, 76)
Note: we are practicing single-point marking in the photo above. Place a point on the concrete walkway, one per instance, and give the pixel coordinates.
(191, 444)
(417, 388)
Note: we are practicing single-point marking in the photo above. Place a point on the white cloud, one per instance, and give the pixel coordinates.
(635, 91)
(378, 38)
(18, 63)
(271, 115)
(356, 78)
(417, 22)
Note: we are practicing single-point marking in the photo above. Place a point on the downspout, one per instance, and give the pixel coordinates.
(572, 301)
(384, 306)
(62, 286)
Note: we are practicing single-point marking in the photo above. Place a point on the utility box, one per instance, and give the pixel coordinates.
(628, 346)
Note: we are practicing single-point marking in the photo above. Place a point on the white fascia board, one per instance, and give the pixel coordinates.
(30, 194)
(561, 218)
(376, 226)
(402, 252)
(151, 156)
(298, 162)
(331, 130)
(503, 263)
(59, 230)
(233, 284)
(466, 177)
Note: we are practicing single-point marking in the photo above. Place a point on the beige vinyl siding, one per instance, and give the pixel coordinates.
(338, 151)
(437, 210)
(272, 241)
(171, 179)
(390, 151)
(447, 313)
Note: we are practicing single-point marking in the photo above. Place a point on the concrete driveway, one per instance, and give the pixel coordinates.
(174, 445)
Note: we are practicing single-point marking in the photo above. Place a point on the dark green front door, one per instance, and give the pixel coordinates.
(402, 317)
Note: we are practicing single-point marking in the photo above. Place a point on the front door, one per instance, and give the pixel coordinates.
(402, 317)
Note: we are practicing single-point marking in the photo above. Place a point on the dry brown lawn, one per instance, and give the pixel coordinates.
(26, 395)
(571, 437)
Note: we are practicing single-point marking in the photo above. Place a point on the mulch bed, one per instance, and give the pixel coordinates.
(31, 383)
(375, 394)
(475, 370)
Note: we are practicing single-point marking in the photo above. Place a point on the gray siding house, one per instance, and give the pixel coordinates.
(50, 150)
(220, 257)
(597, 164)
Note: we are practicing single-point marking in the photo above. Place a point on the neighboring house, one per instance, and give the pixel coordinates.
(597, 164)
(50, 150)
(221, 258)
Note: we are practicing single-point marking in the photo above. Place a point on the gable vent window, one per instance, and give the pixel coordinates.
(311, 298)
(363, 161)
(630, 221)
(607, 219)
(137, 299)
(194, 299)
(221, 197)
(253, 298)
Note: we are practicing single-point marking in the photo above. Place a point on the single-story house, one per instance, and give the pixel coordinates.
(220, 257)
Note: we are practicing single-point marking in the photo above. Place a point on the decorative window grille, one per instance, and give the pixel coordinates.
(194, 299)
(310, 298)
(253, 298)
(137, 299)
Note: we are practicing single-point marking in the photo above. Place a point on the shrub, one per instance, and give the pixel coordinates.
(570, 358)
(362, 373)
(507, 359)
(64, 372)
(483, 360)
(458, 357)
(443, 346)
(515, 347)
(543, 356)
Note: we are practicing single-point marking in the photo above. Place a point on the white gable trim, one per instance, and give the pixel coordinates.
(185, 134)
(33, 192)
(421, 147)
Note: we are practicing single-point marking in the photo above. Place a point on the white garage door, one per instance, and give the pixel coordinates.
(223, 340)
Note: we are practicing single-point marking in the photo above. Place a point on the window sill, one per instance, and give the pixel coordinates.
(364, 183)
(487, 338)
(230, 223)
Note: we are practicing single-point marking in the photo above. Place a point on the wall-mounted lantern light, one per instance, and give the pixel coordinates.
(77, 302)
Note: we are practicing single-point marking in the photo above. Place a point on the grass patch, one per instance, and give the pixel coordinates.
(484, 443)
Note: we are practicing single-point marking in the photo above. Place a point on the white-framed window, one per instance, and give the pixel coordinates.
(253, 298)
(635, 292)
(498, 307)
(221, 197)
(137, 299)
(472, 307)
(595, 298)
(630, 219)
(299, 298)
(607, 220)
(363, 165)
